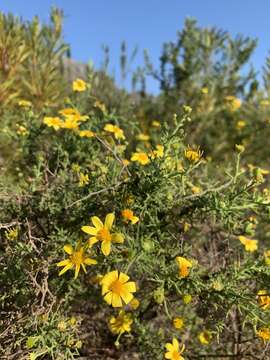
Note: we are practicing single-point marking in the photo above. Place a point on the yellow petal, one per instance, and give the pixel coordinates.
(108, 298)
(109, 221)
(106, 247)
(66, 268)
(169, 346)
(63, 262)
(109, 278)
(118, 238)
(68, 249)
(123, 278)
(92, 241)
(116, 300)
(126, 296)
(175, 344)
(89, 261)
(168, 355)
(89, 230)
(97, 222)
(130, 286)
(77, 270)
(134, 219)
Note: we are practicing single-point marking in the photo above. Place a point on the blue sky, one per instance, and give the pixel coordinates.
(145, 23)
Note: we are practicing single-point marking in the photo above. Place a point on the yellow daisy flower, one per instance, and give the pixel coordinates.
(115, 130)
(122, 323)
(232, 103)
(264, 333)
(86, 133)
(178, 323)
(128, 215)
(54, 122)
(184, 266)
(79, 85)
(174, 353)
(250, 244)
(77, 259)
(193, 155)
(116, 288)
(205, 337)
(102, 232)
(158, 152)
(140, 157)
(83, 179)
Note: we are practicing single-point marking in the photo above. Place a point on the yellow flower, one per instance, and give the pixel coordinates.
(24, 103)
(155, 123)
(128, 215)
(204, 90)
(122, 323)
(21, 130)
(116, 288)
(73, 114)
(263, 299)
(143, 137)
(196, 189)
(140, 157)
(125, 162)
(158, 153)
(178, 323)
(205, 337)
(239, 148)
(250, 244)
(83, 179)
(118, 133)
(54, 122)
(62, 326)
(186, 227)
(77, 259)
(86, 133)
(174, 353)
(79, 85)
(264, 333)
(70, 123)
(99, 105)
(134, 304)
(232, 103)
(193, 155)
(11, 234)
(184, 266)
(240, 124)
(102, 232)
(187, 298)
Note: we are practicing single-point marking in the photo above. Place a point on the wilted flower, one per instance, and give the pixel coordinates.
(128, 215)
(122, 323)
(178, 323)
(193, 155)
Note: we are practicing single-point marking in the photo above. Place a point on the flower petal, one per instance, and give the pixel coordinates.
(92, 241)
(89, 230)
(123, 278)
(89, 261)
(118, 238)
(97, 222)
(108, 298)
(106, 247)
(130, 286)
(66, 268)
(126, 296)
(68, 249)
(63, 262)
(116, 300)
(77, 270)
(109, 221)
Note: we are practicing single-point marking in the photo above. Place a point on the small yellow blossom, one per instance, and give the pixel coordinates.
(205, 337)
(62, 326)
(264, 333)
(116, 288)
(196, 189)
(239, 148)
(75, 167)
(263, 299)
(122, 323)
(24, 103)
(143, 137)
(70, 123)
(232, 103)
(86, 133)
(99, 105)
(158, 152)
(240, 124)
(54, 122)
(125, 162)
(204, 90)
(118, 133)
(193, 155)
(186, 227)
(140, 157)
(250, 244)
(83, 179)
(187, 298)
(155, 123)
(79, 85)
(184, 266)
(102, 232)
(21, 130)
(128, 215)
(134, 304)
(77, 259)
(178, 323)
(173, 351)
(11, 234)
(73, 114)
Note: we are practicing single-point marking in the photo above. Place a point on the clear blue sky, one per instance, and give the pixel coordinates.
(147, 23)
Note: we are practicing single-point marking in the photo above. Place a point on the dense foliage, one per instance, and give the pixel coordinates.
(132, 225)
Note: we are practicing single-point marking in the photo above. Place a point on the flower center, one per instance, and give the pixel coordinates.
(104, 235)
(116, 287)
(175, 355)
(77, 257)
